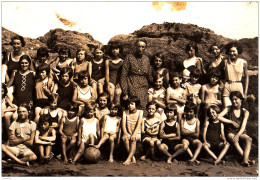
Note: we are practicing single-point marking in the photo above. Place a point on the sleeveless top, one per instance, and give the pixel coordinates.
(24, 84)
(213, 132)
(159, 94)
(190, 127)
(100, 113)
(66, 63)
(169, 129)
(230, 128)
(70, 126)
(4, 103)
(40, 94)
(187, 64)
(84, 94)
(89, 128)
(115, 71)
(234, 71)
(65, 94)
(98, 70)
(193, 88)
(12, 64)
(211, 94)
(131, 123)
(111, 125)
(53, 119)
(79, 67)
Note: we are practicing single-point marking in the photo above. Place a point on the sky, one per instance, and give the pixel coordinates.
(103, 20)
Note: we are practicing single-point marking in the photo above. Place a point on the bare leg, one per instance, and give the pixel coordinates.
(80, 152)
(29, 157)
(236, 144)
(248, 141)
(91, 139)
(100, 88)
(112, 145)
(118, 93)
(71, 144)
(210, 152)
(37, 114)
(198, 149)
(222, 153)
(48, 151)
(102, 140)
(41, 150)
(111, 92)
(12, 154)
(131, 152)
(63, 148)
(178, 150)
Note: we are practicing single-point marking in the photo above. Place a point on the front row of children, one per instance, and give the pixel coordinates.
(172, 137)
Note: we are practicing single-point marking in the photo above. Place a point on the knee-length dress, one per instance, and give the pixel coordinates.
(135, 74)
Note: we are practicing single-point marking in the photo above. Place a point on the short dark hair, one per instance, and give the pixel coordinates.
(24, 57)
(44, 118)
(64, 49)
(73, 108)
(158, 55)
(215, 108)
(141, 40)
(53, 97)
(134, 99)
(219, 45)
(237, 94)
(83, 74)
(65, 70)
(43, 67)
(91, 105)
(195, 73)
(18, 38)
(190, 106)
(103, 94)
(42, 52)
(234, 44)
(215, 73)
(191, 45)
(151, 103)
(171, 107)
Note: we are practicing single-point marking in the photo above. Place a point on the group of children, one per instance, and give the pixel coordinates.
(76, 103)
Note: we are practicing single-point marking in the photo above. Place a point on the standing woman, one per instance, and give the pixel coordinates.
(235, 69)
(13, 57)
(135, 74)
(192, 62)
(22, 81)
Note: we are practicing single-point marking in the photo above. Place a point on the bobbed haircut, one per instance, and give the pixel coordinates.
(43, 67)
(17, 37)
(171, 107)
(73, 108)
(215, 108)
(195, 73)
(42, 52)
(234, 44)
(173, 75)
(190, 106)
(191, 45)
(25, 105)
(158, 55)
(152, 103)
(215, 73)
(80, 49)
(103, 94)
(237, 94)
(116, 106)
(91, 105)
(134, 99)
(219, 45)
(65, 70)
(157, 76)
(44, 118)
(24, 57)
(141, 40)
(64, 49)
(83, 74)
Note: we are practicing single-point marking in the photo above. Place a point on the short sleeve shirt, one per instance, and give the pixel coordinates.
(23, 129)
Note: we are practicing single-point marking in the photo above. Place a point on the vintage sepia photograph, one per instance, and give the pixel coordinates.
(130, 89)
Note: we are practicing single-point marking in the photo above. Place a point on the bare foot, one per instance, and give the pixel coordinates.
(251, 162)
(126, 163)
(169, 160)
(65, 160)
(143, 158)
(133, 160)
(111, 160)
(216, 162)
(175, 161)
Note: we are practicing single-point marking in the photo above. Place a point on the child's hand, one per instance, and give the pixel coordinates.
(52, 143)
(206, 144)
(133, 138)
(126, 136)
(236, 125)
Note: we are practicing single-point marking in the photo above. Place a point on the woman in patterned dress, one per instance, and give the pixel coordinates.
(135, 74)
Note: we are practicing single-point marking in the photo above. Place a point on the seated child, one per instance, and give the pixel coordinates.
(102, 108)
(131, 128)
(236, 126)
(150, 129)
(69, 131)
(170, 134)
(157, 94)
(213, 135)
(110, 129)
(190, 130)
(89, 130)
(44, 138)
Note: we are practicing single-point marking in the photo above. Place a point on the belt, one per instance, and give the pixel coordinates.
(230, 82)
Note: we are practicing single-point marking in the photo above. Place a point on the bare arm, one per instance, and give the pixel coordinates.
(12, 106)
(98, 129)
(107, 73)
(223, 133)
(124, 124)
(75, 97)
(204, 132)
(38, 140)
(50, 138)
(61, 127)
(168, 97)
(246, 80)
(138, 126)
(202, 95)
(177, 135)
(11, 80)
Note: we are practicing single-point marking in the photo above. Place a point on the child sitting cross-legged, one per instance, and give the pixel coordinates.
(170, 134)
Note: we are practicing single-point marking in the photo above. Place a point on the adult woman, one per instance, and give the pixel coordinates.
(23, 82)
(135, 74)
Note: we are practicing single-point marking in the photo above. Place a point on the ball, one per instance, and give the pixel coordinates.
(92, 155)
